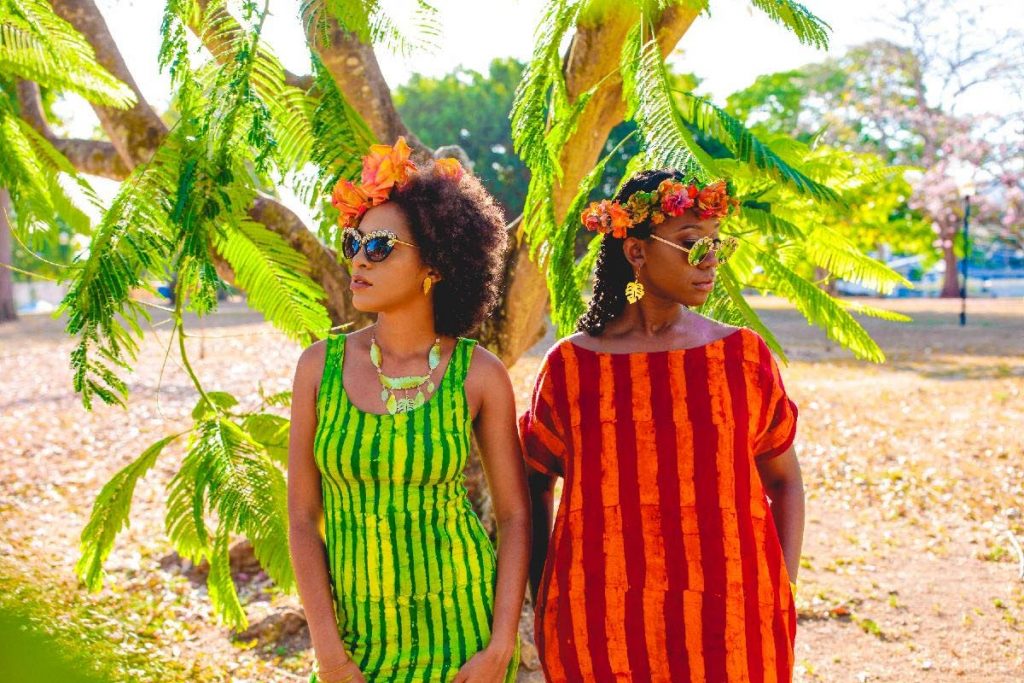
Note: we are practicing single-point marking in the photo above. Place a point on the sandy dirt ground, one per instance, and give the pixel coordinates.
(914, 471)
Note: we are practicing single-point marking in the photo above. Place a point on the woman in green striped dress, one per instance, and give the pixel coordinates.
(403, 583)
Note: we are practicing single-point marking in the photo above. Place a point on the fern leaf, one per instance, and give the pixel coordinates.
(820, 309)
(276, 279)
(716, 122)
(219, 584)
(809, 29)
(110, 515)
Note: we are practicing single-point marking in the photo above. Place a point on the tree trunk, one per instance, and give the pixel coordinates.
(951, 280)
(8, 311)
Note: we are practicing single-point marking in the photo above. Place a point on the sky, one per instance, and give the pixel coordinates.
(727, 49)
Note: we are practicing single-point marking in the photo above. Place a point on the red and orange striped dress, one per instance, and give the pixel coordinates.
(664, 562)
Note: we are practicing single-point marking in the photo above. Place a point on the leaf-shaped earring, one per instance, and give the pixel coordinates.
(427, 284)
(634, 290)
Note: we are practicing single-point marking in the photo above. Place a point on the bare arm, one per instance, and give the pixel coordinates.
(542, 506)
(784, 485)
(305, 512)
(495, 429)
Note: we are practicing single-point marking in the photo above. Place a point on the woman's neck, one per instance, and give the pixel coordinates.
(405, 333)
(650, 318)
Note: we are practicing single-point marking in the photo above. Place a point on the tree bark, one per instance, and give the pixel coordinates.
(8, 311)
(594, 53)
(951, 278)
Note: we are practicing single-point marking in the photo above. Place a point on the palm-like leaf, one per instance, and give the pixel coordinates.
(110, 514)
(37, 45)
(809, 29)
(276, 278)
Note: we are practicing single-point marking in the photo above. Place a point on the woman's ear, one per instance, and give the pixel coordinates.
(634, 250)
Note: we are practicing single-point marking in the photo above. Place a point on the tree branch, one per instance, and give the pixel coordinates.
(593, 54)
(136, 133)
(354, 68)
(95, 157)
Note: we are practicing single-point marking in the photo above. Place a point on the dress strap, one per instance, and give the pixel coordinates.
(334, 356)
(461, 357)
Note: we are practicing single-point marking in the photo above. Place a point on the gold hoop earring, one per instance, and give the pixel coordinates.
(427, 284)
(634, 289)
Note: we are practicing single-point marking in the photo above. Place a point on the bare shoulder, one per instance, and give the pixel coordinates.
(312, 358)
(485, 367)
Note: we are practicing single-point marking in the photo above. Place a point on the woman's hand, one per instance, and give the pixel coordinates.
(344, 671)
(487, 666)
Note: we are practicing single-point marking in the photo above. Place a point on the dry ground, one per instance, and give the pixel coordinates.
(914, 472)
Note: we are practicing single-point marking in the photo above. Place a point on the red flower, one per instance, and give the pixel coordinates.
(676, 197)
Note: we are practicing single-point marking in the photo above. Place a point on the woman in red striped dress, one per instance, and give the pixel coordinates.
(668, 561)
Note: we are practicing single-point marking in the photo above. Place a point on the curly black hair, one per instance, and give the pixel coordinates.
(613, 271)
(461, 234)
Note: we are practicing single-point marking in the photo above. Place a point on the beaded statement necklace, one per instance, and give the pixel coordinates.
(408, 384)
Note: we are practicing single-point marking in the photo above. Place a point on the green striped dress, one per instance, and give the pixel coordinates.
(412, 569)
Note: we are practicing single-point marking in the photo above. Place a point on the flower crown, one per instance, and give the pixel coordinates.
(384, 168)
(671, 198)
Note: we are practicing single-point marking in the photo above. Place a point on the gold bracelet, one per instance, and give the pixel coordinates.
(321, 672)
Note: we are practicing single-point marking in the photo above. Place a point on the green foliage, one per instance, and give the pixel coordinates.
(780, 181)
(37, 45)
(368, 21)
(470, 109)
(110, 514)
(809, 29)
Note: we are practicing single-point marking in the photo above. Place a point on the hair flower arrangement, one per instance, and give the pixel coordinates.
(384, 168)
(671, 199)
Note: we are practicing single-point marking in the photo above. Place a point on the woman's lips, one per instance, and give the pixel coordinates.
(359, 283)
(706, 286)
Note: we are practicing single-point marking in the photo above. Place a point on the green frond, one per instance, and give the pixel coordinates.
(271, 432)
(372, 25)
(110, 515)
(668, 142)
(564, 275)
(809, 29)
(249, 493)
(836, 254)
(749, 316)
(766, 222)
(729, 131)
(533, 100)
(340, 136)
(219, 584)
(276, 279)
(132, 241)
(37, 45)
(874, 312)
(819, 308)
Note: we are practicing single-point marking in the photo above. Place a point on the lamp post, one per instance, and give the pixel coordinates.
(966, 190)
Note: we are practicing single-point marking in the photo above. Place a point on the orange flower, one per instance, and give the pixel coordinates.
(385, 167)
(450, 168)
(607, 217)
(714, 201)
(351, 201)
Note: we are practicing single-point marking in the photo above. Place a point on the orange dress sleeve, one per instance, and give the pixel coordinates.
(540, 429)
(779, 430)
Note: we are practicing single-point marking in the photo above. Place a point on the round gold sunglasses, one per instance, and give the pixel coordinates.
(700, 249)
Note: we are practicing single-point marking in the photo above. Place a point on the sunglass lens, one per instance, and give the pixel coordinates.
(726, 249)
(699, 251)
(378, 248)
(349, 245)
